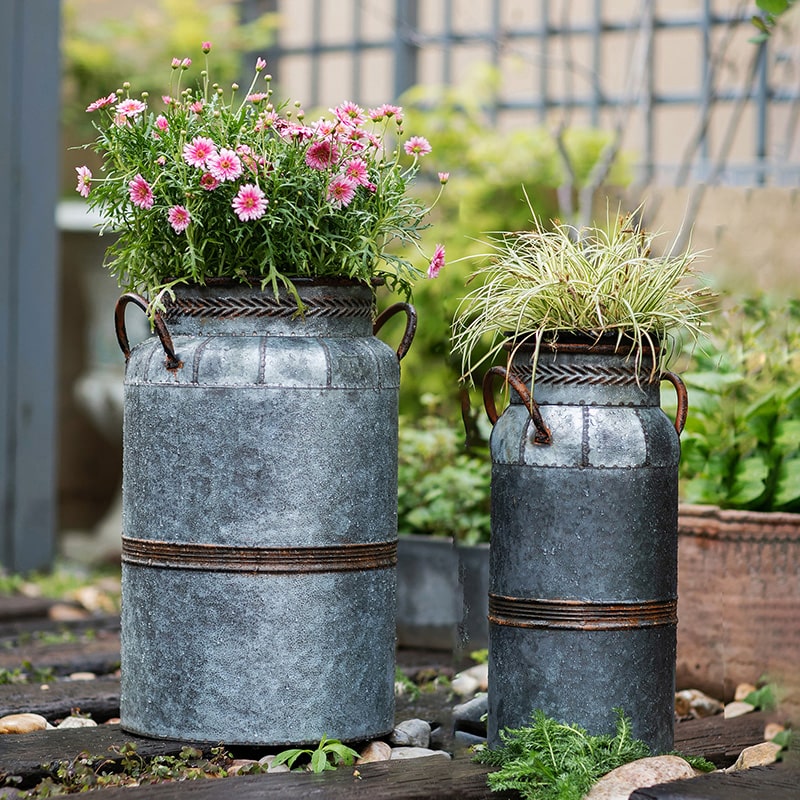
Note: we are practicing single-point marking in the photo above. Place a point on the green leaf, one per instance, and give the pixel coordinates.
(288, 757)
(773, 6)
(787, 434)
(319, 761)
(787, 492)
(749, 480)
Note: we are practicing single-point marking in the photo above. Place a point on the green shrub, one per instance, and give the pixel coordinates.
(741, 444)
(443, 485)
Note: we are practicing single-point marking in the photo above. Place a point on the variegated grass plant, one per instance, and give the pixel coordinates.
(543, 283)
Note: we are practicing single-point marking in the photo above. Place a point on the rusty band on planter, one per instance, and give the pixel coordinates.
(275, 560)
(266, 304)
(527, 612)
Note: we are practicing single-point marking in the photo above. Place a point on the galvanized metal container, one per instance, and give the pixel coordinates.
(583, 557)
(260, 517)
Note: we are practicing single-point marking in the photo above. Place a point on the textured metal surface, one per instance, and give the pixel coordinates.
(259, 523)
(583, 562)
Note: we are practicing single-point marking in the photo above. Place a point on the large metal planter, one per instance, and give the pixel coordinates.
(259, 518)
(583, 557)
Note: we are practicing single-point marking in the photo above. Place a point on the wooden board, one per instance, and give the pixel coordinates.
(99, 698)
(98, 654)
(774, 782)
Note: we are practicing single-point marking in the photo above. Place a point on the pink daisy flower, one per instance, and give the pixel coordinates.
(209, 182)
(101, 102)
(356, 170)
(437, 262)
(197, 107)
(130, 107)
(140, 192)
(257, 97)
(225, 165)
(179, 218)
(386, 110)
(84, 181)
(349, 113)
(197, 152)
(417, 146)
(444, 177)
(249, 203)
(341, 191)
(321, 155)
(260, 64)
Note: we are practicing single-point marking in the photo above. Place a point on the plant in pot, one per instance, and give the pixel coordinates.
(584, 492)
(260, 422)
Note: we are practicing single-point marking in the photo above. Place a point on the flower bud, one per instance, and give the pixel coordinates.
(206, 47)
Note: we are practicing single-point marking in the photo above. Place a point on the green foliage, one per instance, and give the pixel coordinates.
(595, 281)
(404, 685)
(741, 443)
(207, 185)
(443, 486)
(551, 760)
(86, 772)
(480, 656)
(329, 754)
(764, 698)
(26, 673)
(765, 22)
(488, 169)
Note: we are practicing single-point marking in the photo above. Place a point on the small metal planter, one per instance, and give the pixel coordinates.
(583, 556)
(260, 517)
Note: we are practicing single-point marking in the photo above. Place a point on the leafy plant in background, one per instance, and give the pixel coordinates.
(551, 760)
(102, 46)
(443, 487)
(741, 443)
(488, 169)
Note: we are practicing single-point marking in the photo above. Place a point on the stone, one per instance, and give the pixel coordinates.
(267, 762)
(742, 690)
(470, 716)
(62, 612)
(374, 751)
(466, 740)
(694, 703)
(22, 723)
(759, 755)
(416, 752)
(238, 764)
(772, 729)
(622, 781)
(77, 722)
(737, 708)
(82, 676)
(480, 672)
(464, 685)
(411, 733)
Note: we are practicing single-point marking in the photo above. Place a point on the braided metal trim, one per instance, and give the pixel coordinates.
(275, 560)
(584, 374)
(265, 304)
(531, 612)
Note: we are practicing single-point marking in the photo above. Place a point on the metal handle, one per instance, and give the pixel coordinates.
(411, 325)
(543, 435)
(173, 362)
(683, 399)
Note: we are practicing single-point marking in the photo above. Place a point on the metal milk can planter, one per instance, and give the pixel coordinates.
(260, 517)
(583, 556)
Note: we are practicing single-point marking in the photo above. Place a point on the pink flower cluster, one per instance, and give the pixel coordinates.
(342, 157)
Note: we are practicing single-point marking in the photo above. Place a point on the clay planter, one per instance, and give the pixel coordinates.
(738, 600)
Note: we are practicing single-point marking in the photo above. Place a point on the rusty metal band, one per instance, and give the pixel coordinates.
(265, 304)
(525, 612)
(278, 560)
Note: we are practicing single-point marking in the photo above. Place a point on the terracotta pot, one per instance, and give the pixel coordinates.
(738, 600)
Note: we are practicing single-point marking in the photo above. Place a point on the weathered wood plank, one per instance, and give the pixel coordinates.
(16, 629)
(99, 697)
(24, 754)
(721, 740)
(774, 782)
(98, 654)
(14, 607)
(430, 777)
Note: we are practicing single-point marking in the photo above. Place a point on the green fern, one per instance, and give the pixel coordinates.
(550, 760)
